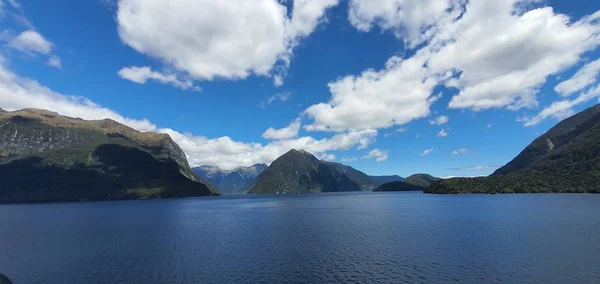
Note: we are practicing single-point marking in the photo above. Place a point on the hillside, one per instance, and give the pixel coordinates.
(564, 159)
(421, 180)
(379, 180)
(238, 180)
(361, 179)
(301, 172)
(398, 186)
(48, 157)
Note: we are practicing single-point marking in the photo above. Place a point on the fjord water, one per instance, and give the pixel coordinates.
(352, 237)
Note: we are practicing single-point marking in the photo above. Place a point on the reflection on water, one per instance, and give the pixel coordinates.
(361, 237)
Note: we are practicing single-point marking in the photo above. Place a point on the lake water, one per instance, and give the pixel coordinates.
(354, 237)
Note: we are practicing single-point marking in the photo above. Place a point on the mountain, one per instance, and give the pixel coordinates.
(564, 159)
(398, 186)
(301, 172)
(379, 180)
(363, 181)
(422, 180)
(48, 157)
(238, 180)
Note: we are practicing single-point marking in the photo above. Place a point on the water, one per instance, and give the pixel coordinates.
(358, 237)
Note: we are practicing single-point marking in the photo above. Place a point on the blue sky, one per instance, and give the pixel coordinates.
(451, 88)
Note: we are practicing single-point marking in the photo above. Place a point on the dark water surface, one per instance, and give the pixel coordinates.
(359, 237)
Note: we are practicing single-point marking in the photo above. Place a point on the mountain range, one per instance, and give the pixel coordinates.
(298, 171)
(564, 159)
(379, 180)
(48, 157)
(238, 180)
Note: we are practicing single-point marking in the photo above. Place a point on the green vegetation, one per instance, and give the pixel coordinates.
(398, 186)
(421, 180)
(46, 157)
(564, 159)
(301, 172)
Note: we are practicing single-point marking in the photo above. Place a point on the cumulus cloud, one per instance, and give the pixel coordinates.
(327, 157)
(426, 152)
(496, 53)
(442, 119)
(561, 109)
(442, 133)
(18, 92)
(221, 39)
(377, 154)
(411, 20)
(395, 95)
(586, 76)
(287, 132)
(500, 58)
(141, 75)
(31, 42)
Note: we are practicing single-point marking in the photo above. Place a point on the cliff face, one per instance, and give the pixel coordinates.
(89, 155)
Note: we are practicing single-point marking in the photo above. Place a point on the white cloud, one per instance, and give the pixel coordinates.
(219, 39)
(395, 95)
(287, 132)
(17, 92)
(399, 130)
(327, 157)
(31, 42)
(413, 20)
(348, 159)
(426, 152)
(439, 120)
(561, 109)
(377, 154)
(497, 53)
(443, 133)
(502, 58)
(460, 151)
(585, 77)
(279, 97)
(55, 61)
(141, 75)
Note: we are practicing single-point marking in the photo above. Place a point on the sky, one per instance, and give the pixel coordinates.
(446, 87)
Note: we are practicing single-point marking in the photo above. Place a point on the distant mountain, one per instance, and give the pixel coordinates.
(238, 180)
(48, 157)
(301, 172)
(422, 180)
(564, 159)
(379, 180)
(398, 186)
(363, 181)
